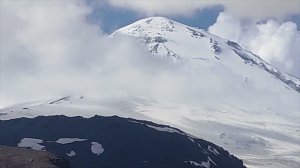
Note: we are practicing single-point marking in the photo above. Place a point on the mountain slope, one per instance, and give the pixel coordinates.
(240, 102)
(165, 37)
(115, 142)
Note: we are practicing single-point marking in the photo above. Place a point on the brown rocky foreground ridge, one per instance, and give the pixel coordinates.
(13, 157)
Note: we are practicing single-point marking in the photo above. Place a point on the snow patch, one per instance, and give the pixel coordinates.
(71, 154)
(191, 139)
(69, 140)
(163, 129)
(206, 164)
(193, 163)
(213, 150)
(31, 143)
(96, 148)
(212, 161)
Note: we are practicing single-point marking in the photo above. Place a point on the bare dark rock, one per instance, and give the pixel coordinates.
(14, 157)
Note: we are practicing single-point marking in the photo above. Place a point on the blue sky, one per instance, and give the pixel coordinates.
(111, 18)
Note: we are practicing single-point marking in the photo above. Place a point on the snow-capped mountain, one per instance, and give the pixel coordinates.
(114, 142)
(167, 38)
(243, 103)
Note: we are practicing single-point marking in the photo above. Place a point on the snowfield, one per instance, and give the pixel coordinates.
(241, 102)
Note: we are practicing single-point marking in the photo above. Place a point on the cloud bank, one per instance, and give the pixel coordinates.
(49, 50)
(255, 9)
(277, 43)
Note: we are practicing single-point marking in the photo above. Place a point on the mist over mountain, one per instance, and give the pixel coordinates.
(159, 70)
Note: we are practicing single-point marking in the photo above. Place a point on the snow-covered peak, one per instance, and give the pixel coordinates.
(167, 38)
(150, 24)
(162, 26)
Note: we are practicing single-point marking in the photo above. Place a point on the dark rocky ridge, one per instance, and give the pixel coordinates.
(126, 142)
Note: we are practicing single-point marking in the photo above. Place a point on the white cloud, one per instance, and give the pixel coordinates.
(48, 49)
(277, 43)
(256, 9)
